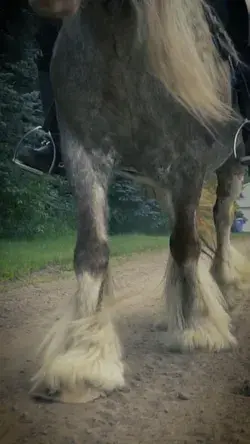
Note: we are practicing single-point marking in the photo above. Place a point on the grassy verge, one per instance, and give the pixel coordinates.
(240, 235)
(20, 258)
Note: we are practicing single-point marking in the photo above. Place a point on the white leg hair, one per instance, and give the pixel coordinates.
(206, 323)
(81, 355)
(229, 267)
(81, 350)
(195, 307)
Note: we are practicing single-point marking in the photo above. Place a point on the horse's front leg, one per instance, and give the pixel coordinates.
(228, 264)
(194, 304)
(81, 355)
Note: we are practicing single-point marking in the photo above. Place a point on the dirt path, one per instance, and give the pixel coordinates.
(171, 398)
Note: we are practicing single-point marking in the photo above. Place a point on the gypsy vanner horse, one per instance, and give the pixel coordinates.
(141, 87)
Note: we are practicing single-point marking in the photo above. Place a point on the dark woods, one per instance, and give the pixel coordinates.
(31, 206)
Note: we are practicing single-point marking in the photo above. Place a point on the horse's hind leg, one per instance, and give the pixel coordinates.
(228, 264)
(82, 355)
(195, 314)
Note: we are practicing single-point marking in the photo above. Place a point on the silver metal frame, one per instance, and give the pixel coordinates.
(26, 167)
(237, 136)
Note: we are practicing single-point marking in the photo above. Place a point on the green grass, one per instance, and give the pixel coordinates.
(242, 234)
(21, 258)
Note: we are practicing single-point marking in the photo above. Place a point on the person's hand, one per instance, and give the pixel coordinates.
(55, 8)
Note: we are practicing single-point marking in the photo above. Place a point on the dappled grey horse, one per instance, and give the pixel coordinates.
(141, 87)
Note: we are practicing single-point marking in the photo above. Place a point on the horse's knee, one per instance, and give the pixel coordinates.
(91, 256)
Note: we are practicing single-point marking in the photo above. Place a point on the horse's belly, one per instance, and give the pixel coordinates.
(102, 95)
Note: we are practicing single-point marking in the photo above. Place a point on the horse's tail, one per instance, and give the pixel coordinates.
(184, 57)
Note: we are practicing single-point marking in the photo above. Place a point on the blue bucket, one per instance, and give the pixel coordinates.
(238, 224)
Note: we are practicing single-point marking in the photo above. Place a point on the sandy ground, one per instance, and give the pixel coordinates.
(170, 398)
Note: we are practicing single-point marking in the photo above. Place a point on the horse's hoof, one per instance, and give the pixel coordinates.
(45, 396)
(85, 395)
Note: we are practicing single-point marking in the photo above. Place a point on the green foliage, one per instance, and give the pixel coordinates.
(29, 205)
(131, 212)
(32, 206)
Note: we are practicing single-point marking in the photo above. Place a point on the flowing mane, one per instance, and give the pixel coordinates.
(183, 56)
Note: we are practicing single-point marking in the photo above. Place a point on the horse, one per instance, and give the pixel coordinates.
(141, 87)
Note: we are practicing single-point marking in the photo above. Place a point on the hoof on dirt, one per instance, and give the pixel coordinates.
(204, 336)
(67, 397)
